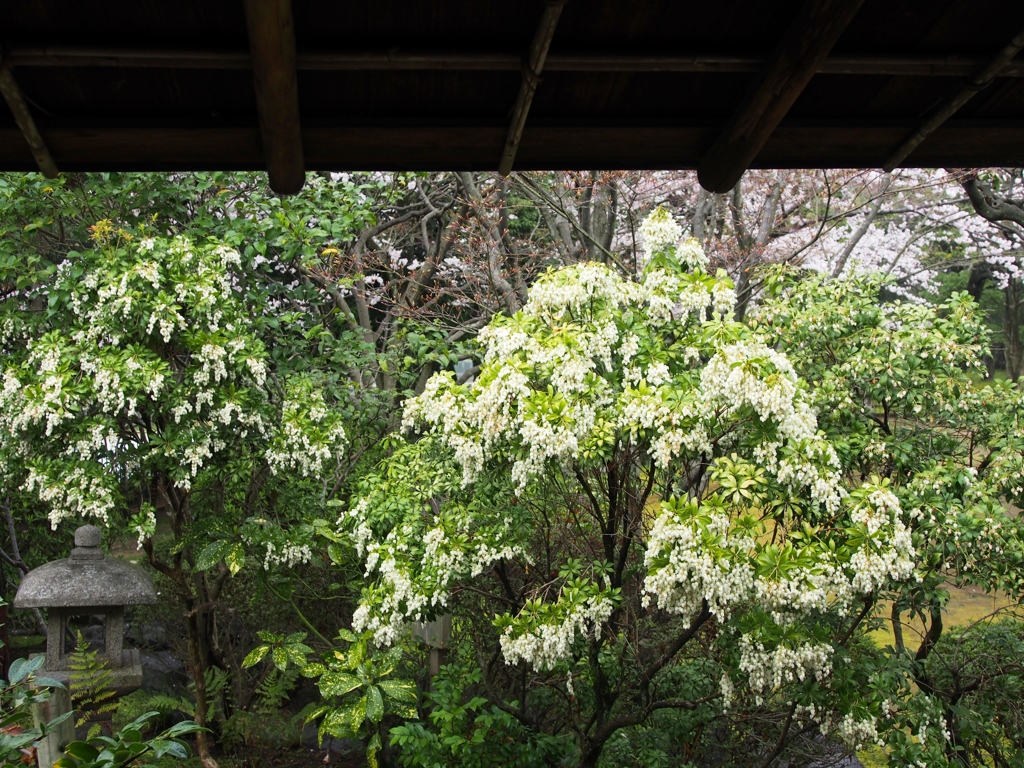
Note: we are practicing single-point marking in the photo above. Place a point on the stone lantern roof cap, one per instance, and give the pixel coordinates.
(87, 579)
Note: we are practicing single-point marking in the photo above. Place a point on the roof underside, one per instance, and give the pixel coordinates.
(439, 84)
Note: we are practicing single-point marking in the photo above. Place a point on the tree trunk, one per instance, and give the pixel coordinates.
(858, 235)
(198, 667)
(5, 647)
(981, 273)
(1014, 353)
(19, 564)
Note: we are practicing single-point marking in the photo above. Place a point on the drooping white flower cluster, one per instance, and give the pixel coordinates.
(309, 436)
(287, 556)
(858, 733)
(751, 374)
(581, 348)
(855, 732)
(893, 558)
(694, 555)
(661, 234)
(570, 294)
(413, 569)
(273, 546)
(727, 689)
(683, 569)
(585, 356)
(75, 494)
(146, 526)
(659, 231)
(399, 601)
(770, 670)
(544, 646)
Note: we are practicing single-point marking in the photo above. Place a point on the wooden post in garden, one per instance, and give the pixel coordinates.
(51, 749)
(436, 634)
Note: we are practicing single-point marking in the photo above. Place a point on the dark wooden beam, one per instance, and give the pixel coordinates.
(23, 117)
(343, 61)
(947, 109)
(797, 58)
(129, 58)
(911, 66)
(272, 45)
(533, 66)
(401, 145)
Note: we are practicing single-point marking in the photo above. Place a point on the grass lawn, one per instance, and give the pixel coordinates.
(966, 605)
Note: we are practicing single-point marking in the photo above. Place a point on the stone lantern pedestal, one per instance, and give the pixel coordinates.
(87, 583)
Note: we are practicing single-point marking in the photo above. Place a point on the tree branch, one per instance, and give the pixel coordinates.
(990, 206)
(678, 643)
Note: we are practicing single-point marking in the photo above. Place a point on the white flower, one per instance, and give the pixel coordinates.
(659, 231)
(547, 645)
(768, 671)
(693, 573)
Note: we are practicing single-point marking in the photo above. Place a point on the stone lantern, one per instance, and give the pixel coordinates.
(88, 583)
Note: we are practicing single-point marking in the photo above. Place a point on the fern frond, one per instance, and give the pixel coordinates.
(276, 687)
(92, 687)
(167, 705)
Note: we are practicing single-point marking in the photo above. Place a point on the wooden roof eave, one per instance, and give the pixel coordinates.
(272, 44)
(810, 37)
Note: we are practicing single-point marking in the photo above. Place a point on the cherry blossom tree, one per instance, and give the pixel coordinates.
(996, 197)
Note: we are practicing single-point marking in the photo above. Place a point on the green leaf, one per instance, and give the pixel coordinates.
(255, 656)
(347, 635)
(399, 690)
(234, 558)
(280, 658)
(404, 710)
(338, 723)
(374, 743)
(81, 750)
(357, 714)
(336, 553)
(313, 669)
(374, 704)
(336, 683)
(181, 729)
(297, 653)
(161, 748)
(211, 555)
(22, 668)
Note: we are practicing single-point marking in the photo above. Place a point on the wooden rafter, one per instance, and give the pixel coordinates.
(795, 61)
(272, 46)
(533, 66)
(342, 61)
(404, 145)
(27, 125)
(947, 109)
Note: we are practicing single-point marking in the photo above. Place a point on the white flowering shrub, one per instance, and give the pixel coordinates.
(149, 377)
(893, 384)
(158, 376)
(629, 460)
(155, 371)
